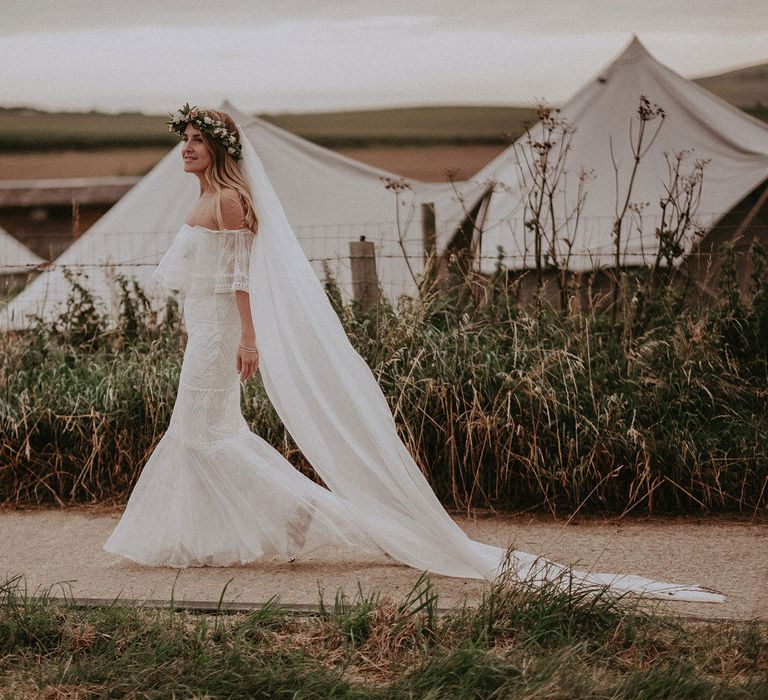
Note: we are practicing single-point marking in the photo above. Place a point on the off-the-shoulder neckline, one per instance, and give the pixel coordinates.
(215, 230)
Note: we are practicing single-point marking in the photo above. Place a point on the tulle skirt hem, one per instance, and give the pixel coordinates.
(233, 503)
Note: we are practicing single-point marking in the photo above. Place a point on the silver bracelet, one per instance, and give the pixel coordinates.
(248, 349)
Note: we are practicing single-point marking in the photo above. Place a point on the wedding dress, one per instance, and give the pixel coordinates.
(214, 493)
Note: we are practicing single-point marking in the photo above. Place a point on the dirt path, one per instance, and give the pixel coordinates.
(729, 555)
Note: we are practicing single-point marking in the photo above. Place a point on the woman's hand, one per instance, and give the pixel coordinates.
(247, 361)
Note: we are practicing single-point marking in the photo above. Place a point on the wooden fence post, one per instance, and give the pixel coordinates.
(75, 218)
(365, 281)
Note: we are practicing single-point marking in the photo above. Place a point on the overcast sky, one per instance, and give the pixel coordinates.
(303, 55)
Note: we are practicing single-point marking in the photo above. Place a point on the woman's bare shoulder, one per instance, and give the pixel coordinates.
(232, 211)
(229, 194)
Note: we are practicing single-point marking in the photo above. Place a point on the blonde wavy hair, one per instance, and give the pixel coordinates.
(224, 171)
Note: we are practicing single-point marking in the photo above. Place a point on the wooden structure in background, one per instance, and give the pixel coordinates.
(47, 215)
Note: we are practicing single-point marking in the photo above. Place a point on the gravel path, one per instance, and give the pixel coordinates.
(729, 555)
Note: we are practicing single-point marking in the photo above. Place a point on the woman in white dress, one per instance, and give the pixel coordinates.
(214, 493)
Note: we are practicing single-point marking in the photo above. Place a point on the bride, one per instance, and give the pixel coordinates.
(215, 494)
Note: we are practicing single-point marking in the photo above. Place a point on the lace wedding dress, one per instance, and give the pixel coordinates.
(213, 492)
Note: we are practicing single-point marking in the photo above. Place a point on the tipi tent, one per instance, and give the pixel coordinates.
(15, 258)
(329, 199)
(603, 115)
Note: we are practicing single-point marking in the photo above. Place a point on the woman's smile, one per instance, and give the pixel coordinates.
(195, 153)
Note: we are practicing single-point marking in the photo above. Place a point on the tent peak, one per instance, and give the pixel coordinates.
(634, 51)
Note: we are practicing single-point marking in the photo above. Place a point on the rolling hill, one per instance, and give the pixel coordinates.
(23, 129)
(744, 87)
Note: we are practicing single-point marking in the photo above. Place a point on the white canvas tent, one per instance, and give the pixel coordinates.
(601, 112)
(15, 258)
(329, 199)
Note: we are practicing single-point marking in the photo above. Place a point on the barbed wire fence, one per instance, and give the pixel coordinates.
(368, 260)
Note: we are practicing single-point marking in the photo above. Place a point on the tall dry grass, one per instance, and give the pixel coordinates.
(501, 406)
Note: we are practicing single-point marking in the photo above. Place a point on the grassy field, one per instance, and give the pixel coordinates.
(23, 130)
(417, 125)
(32, 130)
(519, 642)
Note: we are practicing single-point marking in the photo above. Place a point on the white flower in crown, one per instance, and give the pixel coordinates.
(217, 129)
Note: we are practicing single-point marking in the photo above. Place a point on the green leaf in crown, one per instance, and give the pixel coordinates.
(178, 121)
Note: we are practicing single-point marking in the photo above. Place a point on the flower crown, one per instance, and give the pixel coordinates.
(192, 115)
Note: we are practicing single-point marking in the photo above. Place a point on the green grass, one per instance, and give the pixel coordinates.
(519, 642)
(27, 129)
(500, 405)
(410, 125)
(34, 130)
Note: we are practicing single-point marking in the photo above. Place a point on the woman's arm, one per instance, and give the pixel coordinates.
(247, 354)
(247, 360)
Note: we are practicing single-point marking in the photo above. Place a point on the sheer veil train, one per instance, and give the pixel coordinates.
(331, 404)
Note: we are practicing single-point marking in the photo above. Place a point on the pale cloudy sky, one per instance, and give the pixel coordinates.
(303, 55)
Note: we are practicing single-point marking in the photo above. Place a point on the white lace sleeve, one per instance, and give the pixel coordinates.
(234, 251)
(176, 268)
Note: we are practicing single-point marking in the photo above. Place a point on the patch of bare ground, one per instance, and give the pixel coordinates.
(63, 164)
(429, 163)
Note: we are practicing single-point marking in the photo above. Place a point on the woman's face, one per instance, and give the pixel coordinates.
(195, 152)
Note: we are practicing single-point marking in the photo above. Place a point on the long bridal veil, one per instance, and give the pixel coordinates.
(334, 409)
